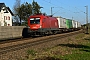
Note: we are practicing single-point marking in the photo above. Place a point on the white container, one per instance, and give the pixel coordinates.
(76, 26)
(61, 22)
(73, 23)
(79, 25)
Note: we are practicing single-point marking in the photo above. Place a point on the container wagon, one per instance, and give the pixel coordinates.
(74, 24)
(61, 23)
(69, 25)
(79, 25)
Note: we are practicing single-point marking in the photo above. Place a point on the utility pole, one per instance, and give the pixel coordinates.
(86, 19)
(51, 10)
(72, 18)
(33, 8)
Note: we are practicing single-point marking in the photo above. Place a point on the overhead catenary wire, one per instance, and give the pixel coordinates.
(79, 12)
(58, 6)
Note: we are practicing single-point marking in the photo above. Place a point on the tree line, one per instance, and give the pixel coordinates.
(23, 11)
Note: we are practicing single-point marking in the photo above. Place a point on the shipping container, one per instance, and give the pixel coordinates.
(73, 24)
(79, 25)
(61, 22)
(76, 24)
(69, 23)
(64, 22)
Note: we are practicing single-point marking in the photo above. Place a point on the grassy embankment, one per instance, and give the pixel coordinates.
(78, 48)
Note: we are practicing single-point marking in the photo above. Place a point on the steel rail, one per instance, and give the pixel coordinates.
(28, 44)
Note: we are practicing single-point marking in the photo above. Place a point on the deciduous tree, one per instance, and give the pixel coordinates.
(25, 10)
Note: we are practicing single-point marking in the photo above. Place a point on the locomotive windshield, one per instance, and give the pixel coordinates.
(34, 20)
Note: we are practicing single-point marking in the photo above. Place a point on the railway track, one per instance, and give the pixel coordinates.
(14, 40)
(35, 41)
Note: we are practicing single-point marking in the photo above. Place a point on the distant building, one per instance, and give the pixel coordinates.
(5, 15)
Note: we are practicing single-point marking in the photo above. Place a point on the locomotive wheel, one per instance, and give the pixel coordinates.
(42, 34)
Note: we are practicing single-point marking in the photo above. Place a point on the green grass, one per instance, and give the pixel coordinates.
(83, 56)
(81, 51)
(76, 50)
(80, 36)
(31, 52)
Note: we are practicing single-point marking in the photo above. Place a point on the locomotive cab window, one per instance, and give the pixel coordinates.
(34, 20)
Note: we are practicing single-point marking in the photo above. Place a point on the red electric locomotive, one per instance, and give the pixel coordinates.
(41, 24)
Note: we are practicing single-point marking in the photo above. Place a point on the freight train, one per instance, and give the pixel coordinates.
(44, 25)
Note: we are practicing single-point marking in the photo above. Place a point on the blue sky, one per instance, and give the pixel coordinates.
(65, 8)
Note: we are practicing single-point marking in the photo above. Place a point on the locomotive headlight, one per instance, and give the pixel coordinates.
(40, 26)
(28, 27)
